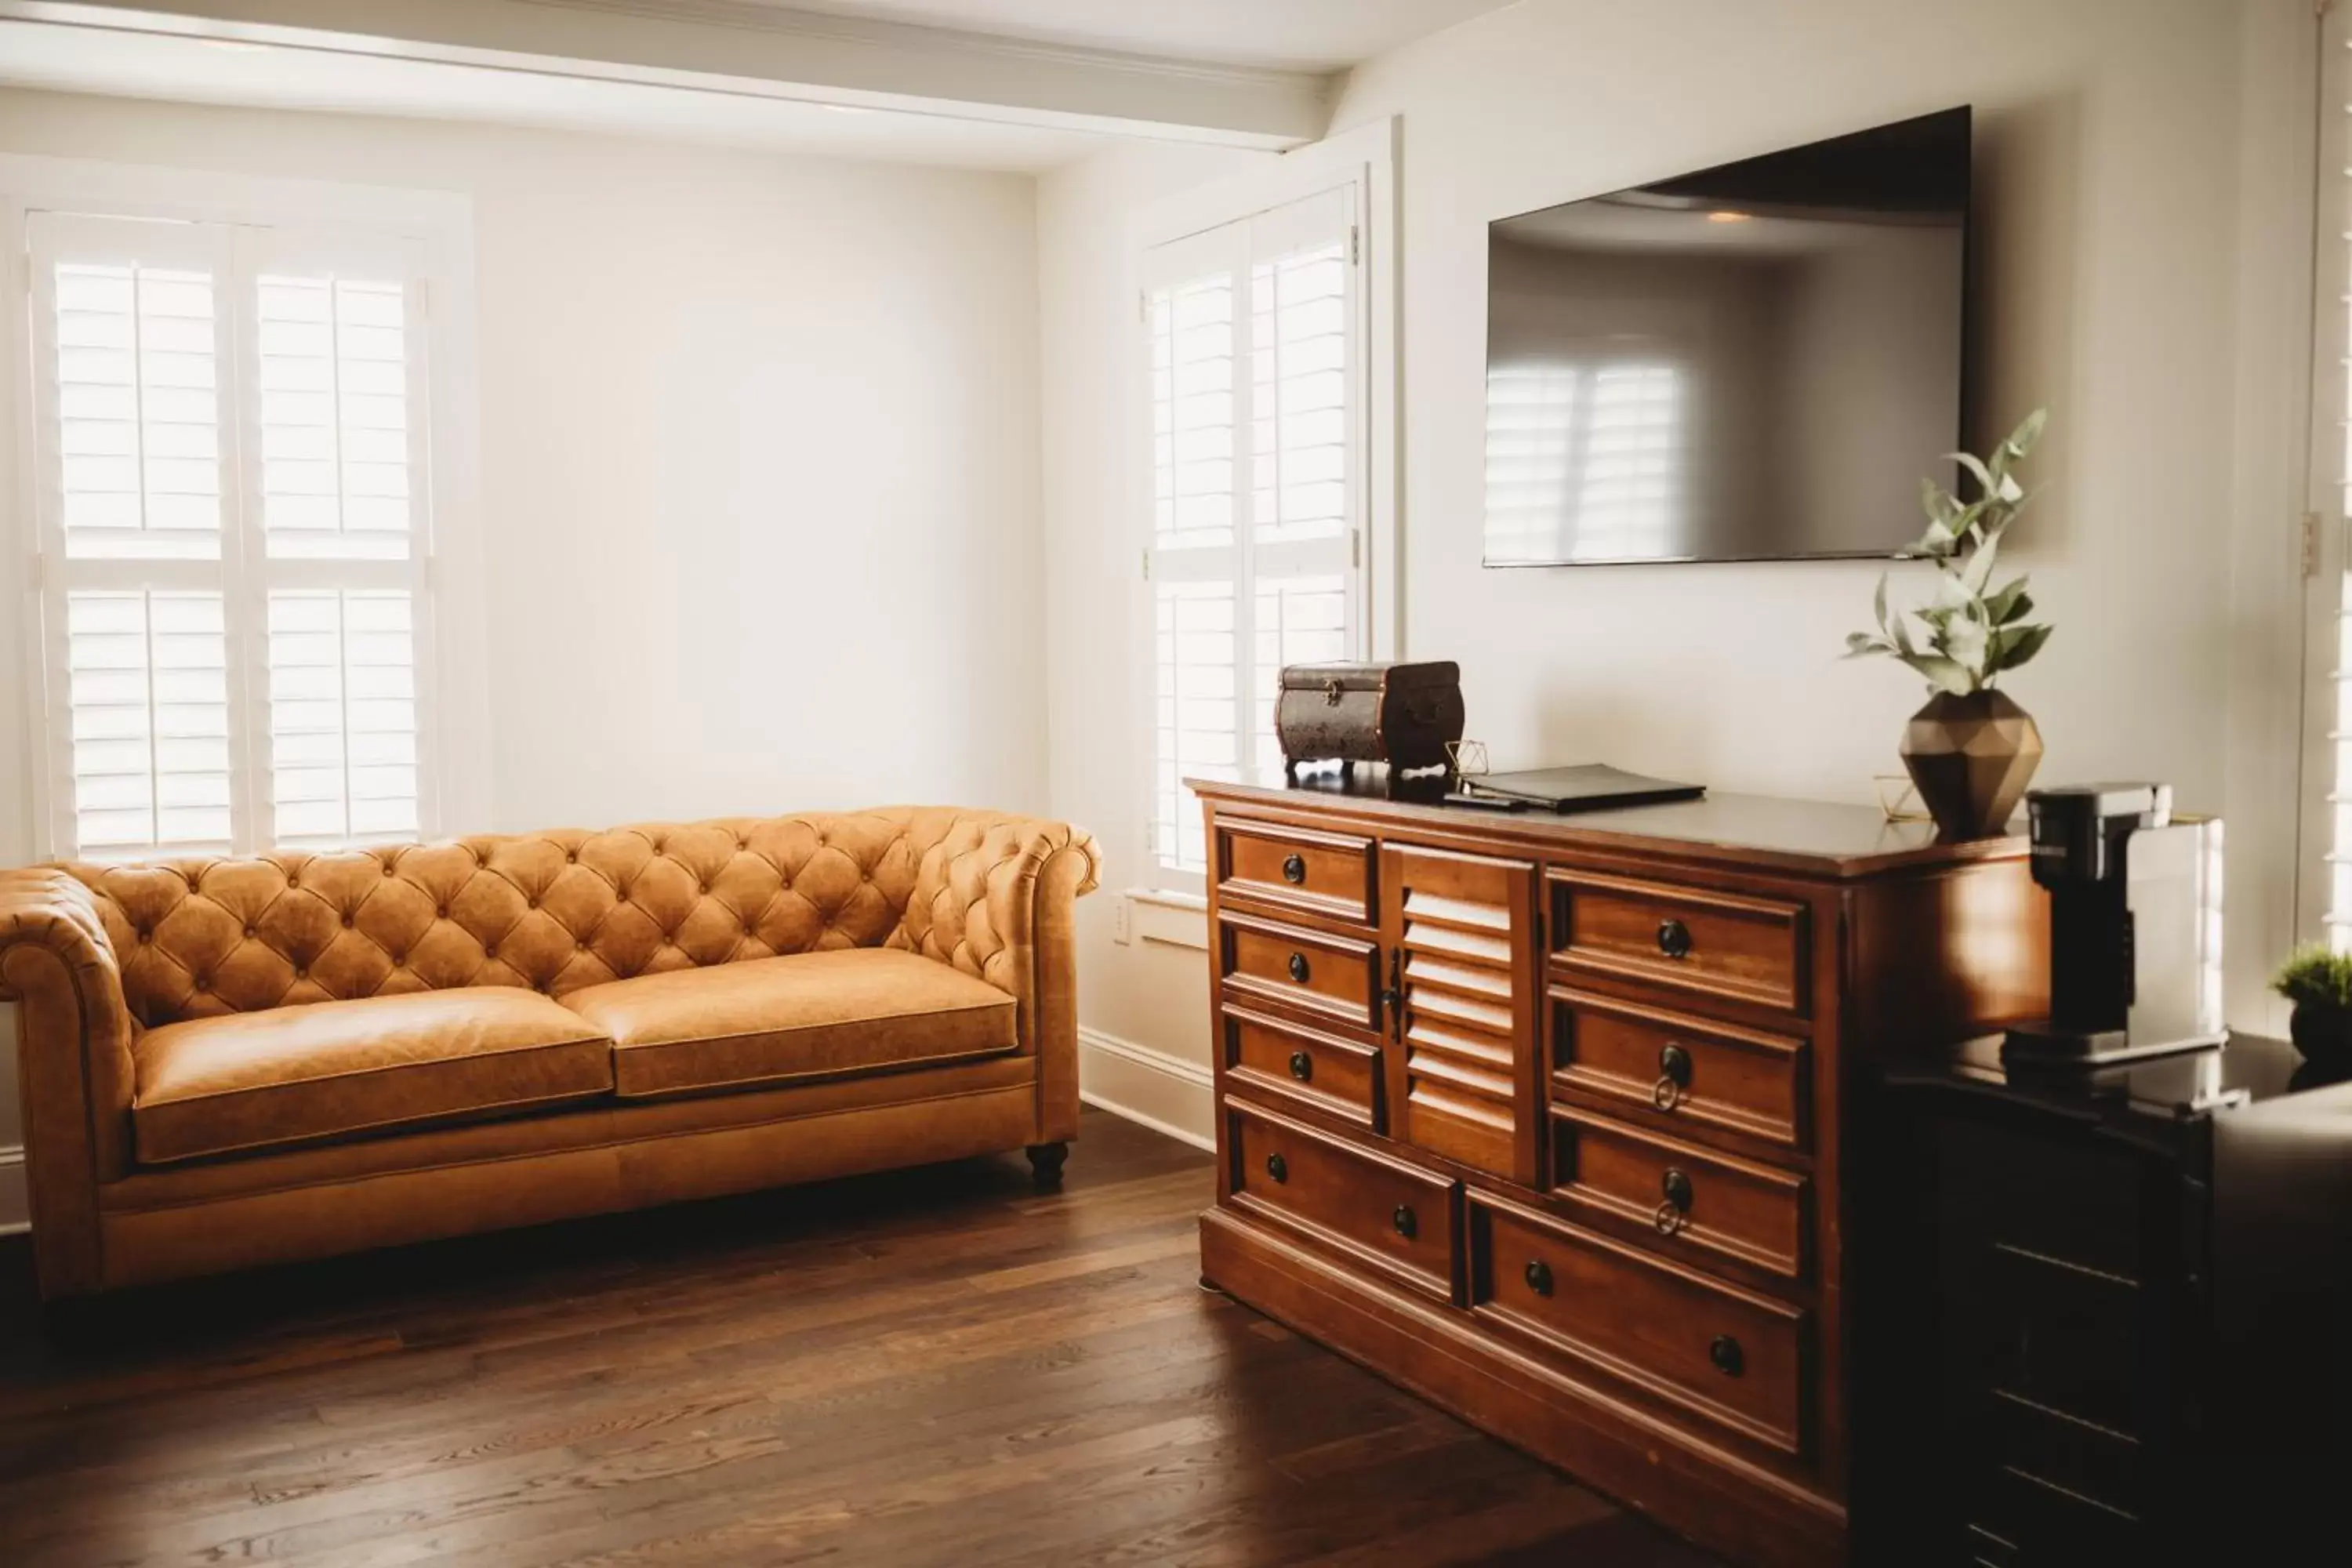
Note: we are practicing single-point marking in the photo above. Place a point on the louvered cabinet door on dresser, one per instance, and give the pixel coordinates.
(1464, 1068)
(1542, 1118)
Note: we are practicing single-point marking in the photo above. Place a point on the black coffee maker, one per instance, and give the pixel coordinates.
(2135, 926)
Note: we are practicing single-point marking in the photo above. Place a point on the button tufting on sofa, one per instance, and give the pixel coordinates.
(804, 958)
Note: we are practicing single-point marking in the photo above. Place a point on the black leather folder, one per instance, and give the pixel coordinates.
(1594, 786)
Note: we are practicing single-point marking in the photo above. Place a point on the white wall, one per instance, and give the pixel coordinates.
(759, 473)
(2108, 151)
(2109, 144)
(759, 444)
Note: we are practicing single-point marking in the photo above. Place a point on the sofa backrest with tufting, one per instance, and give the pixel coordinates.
(561, 910)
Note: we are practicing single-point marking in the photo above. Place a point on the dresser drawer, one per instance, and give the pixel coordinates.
(2040, 1523)
(2088, 1461)
(1703, 1205)
(1695, 940)
(1306, 1067)
(1393, 1218)
(1709, 1075)
(1296, 867)
(1735, 1360)
(1336, 976)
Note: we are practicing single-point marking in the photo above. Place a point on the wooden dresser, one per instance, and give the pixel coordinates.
(1540, 1117)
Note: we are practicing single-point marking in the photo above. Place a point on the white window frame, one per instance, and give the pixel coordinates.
(2324, 520)
(1361, 160)
(2326, 793)
(435, 230)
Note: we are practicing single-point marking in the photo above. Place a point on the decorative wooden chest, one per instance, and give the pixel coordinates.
(1544, 1118)
(1404, 715)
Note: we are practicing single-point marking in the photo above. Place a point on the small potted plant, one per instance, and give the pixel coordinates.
(1971, 751)
(2319, 982)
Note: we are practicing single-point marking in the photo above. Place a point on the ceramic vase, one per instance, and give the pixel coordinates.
(1971, 758)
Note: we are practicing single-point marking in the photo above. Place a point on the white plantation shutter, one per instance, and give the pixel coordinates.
(335, 456)
(2324, 901)
(149, 745)
(127, 323)
(1256, 334)
(343, 716)
(339, 394)
(232, 535)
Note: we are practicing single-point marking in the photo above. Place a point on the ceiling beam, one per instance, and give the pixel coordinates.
(744, 46)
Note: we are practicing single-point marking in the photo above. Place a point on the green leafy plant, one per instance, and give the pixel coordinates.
(2315, 975)
(1971, 632)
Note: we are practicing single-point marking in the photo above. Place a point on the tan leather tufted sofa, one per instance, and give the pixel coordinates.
(237, 1061)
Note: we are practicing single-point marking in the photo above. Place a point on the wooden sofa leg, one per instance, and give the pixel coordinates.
(1045, 1160)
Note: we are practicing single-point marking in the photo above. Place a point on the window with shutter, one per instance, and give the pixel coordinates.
(2325, 861)
(1258, 333)
(231, 528)
(2325, 883)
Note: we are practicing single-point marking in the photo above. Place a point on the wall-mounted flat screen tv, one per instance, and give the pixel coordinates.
(1756, 363)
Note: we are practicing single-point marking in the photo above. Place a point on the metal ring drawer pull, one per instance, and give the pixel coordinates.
(1674, 1077)
(1294, 869)
(1406, 1225)
(1277, 1167)
(1539, 1276)
(1726, 1356)
(1298, 970)
(1302, 1066)
(1674, 1211)
(1673, 939)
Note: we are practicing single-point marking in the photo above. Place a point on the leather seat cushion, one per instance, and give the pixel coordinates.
(329, 1069)
(808, 1015)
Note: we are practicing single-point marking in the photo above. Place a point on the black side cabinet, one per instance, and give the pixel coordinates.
(2102, 1318)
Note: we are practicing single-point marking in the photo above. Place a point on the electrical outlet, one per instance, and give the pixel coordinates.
(1122, 920)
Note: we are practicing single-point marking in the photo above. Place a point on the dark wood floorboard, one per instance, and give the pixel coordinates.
(932, 1366)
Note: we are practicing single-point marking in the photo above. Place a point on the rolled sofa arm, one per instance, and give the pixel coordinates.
(73, 1065)
(996, 896)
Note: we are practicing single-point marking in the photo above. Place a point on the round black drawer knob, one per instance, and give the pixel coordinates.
(1539, 1277)
(1726, 1356)
(1302, 1066)
(1676, 1186)
(1673, 939)
(1298, 967)
(1277, 1167)
(1406, 1225)
(1294, 869)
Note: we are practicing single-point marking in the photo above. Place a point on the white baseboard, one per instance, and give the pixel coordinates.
(1147, 1087)
(15, 1209)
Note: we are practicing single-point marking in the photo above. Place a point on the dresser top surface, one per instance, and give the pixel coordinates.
(1809, 836)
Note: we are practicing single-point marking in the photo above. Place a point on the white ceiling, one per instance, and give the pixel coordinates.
(1284, 34)
(149, 65)
(1001, 84)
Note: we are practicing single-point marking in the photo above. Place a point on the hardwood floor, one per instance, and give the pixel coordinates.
(930, 1366)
